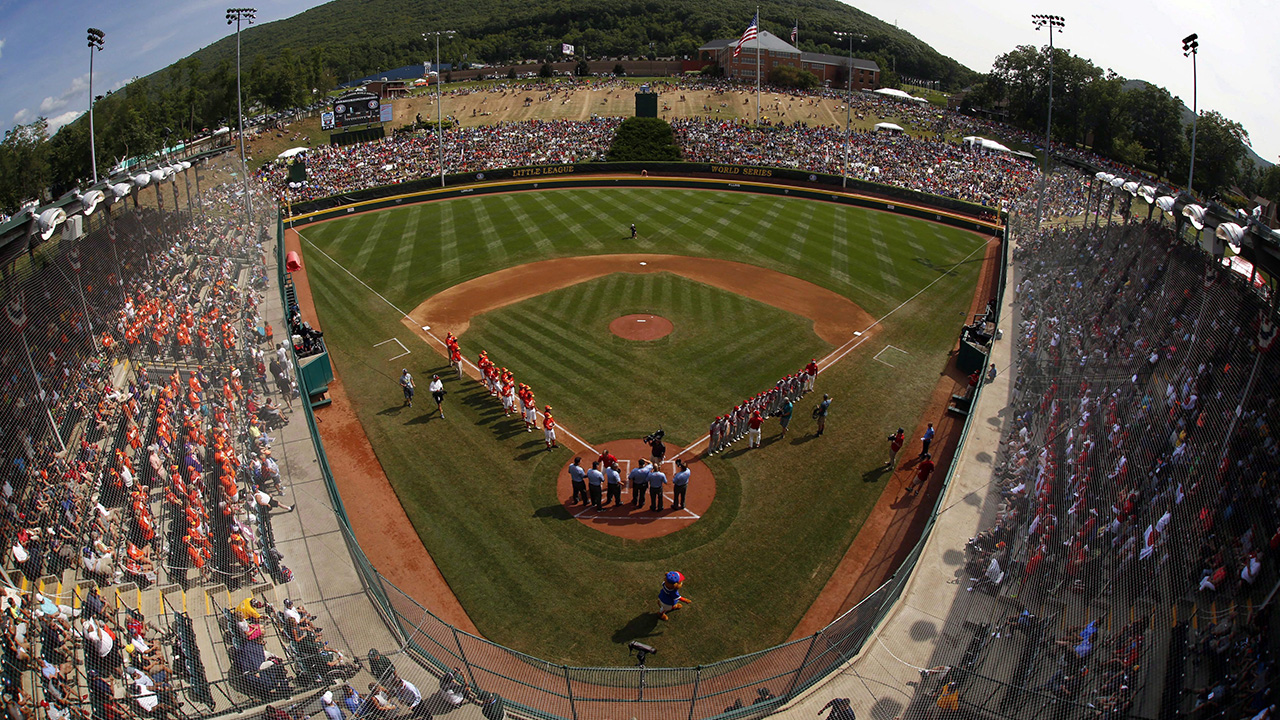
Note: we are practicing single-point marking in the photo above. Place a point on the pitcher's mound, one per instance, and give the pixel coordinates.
(641, 327)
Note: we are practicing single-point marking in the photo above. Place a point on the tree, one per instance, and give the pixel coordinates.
(1154, 118)
(1269, 184)
(582, 69)
(794, 77)
(640, 138)
(24, 168)
(619, 70)
(1220, 145)
(511, 73)
(546, 71)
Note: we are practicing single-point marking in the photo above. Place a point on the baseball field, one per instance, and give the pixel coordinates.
(535, 279)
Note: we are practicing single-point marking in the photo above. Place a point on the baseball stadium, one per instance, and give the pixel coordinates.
(935, 434)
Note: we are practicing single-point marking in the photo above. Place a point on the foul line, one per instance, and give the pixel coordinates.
(404, 314)
(858, 338)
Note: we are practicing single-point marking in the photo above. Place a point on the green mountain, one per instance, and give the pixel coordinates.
(353, 38)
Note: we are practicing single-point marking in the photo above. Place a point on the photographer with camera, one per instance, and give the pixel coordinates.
(658, 450)
(437, 393)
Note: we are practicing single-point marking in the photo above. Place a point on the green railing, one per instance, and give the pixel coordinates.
(748, 686)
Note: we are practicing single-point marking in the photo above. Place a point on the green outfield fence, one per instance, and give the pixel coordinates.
(748, 686)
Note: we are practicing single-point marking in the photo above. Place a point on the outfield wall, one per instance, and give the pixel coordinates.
(537, 688)
(704, 176)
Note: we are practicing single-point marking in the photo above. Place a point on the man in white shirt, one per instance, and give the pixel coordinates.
(437, 392)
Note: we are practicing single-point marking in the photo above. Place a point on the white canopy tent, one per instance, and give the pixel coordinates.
(974, 142)
(900, 95)
(291, 152)
(890, 128)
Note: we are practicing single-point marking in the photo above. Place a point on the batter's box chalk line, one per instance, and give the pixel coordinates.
(891, 350)
(396, 341)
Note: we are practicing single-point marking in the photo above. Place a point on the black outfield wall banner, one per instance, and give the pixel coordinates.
(774, 181)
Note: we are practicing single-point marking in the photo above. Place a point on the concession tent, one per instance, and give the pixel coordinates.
(900, 95)
(291, 152)
(890, 128)
(974, 142)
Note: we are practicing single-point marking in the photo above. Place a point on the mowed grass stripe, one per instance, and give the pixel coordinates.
(560, 206)
(494, 243)
(450, 263)
(382, 237)
(527, 225)
(409, 243)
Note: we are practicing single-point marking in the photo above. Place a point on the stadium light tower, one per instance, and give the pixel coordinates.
(95, 43)
(1052, 22)
(1191, 47)
(236, 15)
(848, 99)
(439, 131)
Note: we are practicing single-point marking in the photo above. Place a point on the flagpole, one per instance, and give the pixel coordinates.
(757, 66)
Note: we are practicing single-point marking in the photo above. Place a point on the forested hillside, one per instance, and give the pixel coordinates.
(351, 38)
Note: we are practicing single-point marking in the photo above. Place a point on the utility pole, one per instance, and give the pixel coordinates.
(1052, 22)
(96, 37)
(237, 15)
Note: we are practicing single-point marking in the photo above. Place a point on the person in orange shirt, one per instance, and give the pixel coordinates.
(549, 428)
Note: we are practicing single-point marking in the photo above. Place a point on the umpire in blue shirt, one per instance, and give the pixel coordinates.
(656, 481)
(595, 485)
(578, 477)
(679, 485)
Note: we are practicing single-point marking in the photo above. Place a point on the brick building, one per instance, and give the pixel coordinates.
(774, 51)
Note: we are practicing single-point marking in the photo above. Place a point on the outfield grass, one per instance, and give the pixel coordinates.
(723, 348)
(482, 492)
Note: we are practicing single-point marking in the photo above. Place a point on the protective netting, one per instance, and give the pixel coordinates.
(1130, 539)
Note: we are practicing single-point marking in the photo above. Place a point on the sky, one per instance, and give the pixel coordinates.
(44, 63)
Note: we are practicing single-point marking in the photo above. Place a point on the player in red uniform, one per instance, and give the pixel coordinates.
(549, 428)
(810, 374)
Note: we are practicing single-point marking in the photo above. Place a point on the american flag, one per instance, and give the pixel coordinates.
(795, 32)
(750, 33)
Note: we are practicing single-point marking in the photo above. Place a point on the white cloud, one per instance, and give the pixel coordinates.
(52, 104)
(1, 47)
(56, 122)
(23, 116)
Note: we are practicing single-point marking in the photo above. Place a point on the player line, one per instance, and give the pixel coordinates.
(404, 314)
(828, 362)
